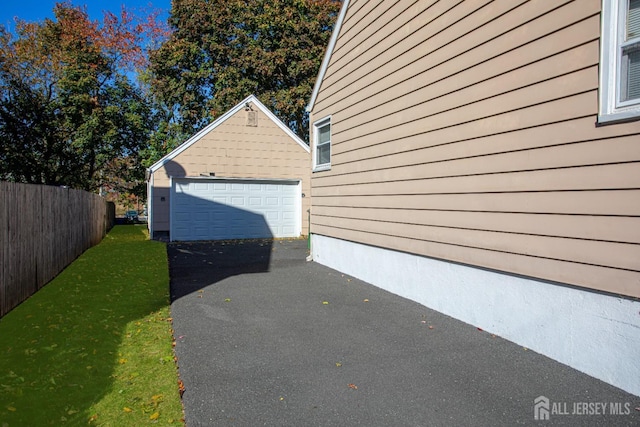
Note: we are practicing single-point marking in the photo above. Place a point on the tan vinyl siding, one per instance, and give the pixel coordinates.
(235, 150)
(467, 131)
(606, 279)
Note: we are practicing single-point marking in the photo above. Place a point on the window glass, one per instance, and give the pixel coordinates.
(324, 134)
(322, 158)
(631, 71)
(633, 19)
(324, 154)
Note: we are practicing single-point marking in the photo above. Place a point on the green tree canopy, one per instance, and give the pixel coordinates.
(221, 51)
(69, 113)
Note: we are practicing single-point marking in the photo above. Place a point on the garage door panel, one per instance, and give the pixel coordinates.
(237, 201)
(198, 186)
(272, 216)
(233, 210)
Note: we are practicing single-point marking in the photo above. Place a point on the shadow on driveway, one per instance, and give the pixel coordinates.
(265, 338)
(193, 265)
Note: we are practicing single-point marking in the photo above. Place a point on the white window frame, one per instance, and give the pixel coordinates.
(316, 134)
(613, 30)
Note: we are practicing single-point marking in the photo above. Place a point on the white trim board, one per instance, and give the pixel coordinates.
(327, 55)
(594, 333)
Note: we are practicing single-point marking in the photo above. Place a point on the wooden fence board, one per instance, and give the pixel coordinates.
(42, 230)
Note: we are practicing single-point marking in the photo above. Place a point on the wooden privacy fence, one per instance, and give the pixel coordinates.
(42, 230)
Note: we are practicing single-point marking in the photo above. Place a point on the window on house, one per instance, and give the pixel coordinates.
(620, 61)
(322, 141)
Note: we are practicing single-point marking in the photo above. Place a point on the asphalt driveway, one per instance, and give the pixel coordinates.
(266, 338)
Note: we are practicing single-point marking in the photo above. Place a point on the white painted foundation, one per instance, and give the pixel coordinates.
(594, 333)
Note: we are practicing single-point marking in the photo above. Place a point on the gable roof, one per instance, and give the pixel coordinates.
(327, 54)
(195, 138)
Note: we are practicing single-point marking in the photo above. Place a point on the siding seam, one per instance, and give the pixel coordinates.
(477, 229)
(478, 247)
(362, 87)
(463, 175)
(475, 120)
(494, 153)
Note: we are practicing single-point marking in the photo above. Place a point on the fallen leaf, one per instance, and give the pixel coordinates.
(125, 409)
(365, 300)
(154, 416)
(12, 408)
(122, 361)
(353, 386)
(227, 300)
(338, 364)
(480, 329)
(181, 388)
(325, 302)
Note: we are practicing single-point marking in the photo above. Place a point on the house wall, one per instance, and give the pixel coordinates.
(466, 131)
(468, 174)
(235, 150)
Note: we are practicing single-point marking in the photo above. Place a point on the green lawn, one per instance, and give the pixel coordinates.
(94, 346)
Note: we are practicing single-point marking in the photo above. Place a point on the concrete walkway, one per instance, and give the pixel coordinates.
(266, 338)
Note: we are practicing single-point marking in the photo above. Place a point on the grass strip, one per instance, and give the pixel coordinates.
(94, 346)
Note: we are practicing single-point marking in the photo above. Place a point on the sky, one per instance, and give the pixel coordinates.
(38, 10)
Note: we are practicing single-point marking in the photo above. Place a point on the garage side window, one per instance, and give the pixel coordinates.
(620, 61)
(322, 144)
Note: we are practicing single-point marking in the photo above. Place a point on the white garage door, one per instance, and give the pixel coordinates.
(216, 209)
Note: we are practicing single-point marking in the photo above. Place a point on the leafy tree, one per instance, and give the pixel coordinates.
(221, 51)
(69, 113)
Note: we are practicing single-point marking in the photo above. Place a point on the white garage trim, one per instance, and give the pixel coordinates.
(215, 208)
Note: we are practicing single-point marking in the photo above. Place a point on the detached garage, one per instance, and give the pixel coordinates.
(246, 175)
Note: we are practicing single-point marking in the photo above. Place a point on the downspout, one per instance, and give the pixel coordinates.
(309, 229)
(150, 203)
